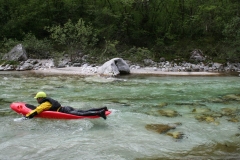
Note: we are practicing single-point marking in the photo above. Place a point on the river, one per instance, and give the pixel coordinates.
(206, 113)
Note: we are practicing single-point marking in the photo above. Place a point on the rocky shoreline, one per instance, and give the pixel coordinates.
(47, 67)
(116, 66)
(141, 71)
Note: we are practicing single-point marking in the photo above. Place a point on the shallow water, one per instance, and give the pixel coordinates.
(134, 102)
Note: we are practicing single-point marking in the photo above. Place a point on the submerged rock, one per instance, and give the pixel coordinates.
(205, 118)
(175, 124)
(201, 110)
(216, 100)
(209, 119)
(231, 97)
(176, 135)
(228, 111)
(168, 113)
(213, 148)
(216, 123)
(233, 120)
(159, 128)
(163, 104)
(203, 151)
(216, 115)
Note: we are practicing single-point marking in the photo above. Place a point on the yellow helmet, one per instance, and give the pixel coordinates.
(40, 95)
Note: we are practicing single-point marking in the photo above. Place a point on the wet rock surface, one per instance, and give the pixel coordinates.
(159, 128)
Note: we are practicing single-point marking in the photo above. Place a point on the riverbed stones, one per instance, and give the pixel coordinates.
(235, 120)
(216, 100)
(209, 119)
(216, 115)
(163, 128)
(205, 118)
(231, 97)
(176, 135)
(161, 105)
(201, 110)
(208, 149)
(168, 113)
(159, 128)
(228, 111)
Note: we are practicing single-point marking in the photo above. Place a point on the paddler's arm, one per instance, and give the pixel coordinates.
(42, 107)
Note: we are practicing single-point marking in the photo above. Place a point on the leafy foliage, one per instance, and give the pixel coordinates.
(232, 40)
(73, 36)
(37, 48)
(167, 28)
(8, 44)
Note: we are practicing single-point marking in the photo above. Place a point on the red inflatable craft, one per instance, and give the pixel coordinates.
(20, 108)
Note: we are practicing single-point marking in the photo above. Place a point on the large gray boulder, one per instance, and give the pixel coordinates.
(18, 53)
(114, 67)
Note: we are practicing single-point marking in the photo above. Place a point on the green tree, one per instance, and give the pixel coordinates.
(78, 36)
(170, 27)
(232, 41)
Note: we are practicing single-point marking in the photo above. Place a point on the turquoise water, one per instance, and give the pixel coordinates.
(135, 102)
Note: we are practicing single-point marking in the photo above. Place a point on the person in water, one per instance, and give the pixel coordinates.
(49, 104)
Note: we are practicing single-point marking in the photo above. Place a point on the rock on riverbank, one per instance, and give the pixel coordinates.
(47, 66)
(116, 66)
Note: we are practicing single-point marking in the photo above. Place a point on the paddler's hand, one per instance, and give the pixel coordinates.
(25, 118)
(21, 119)
(29, 116)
